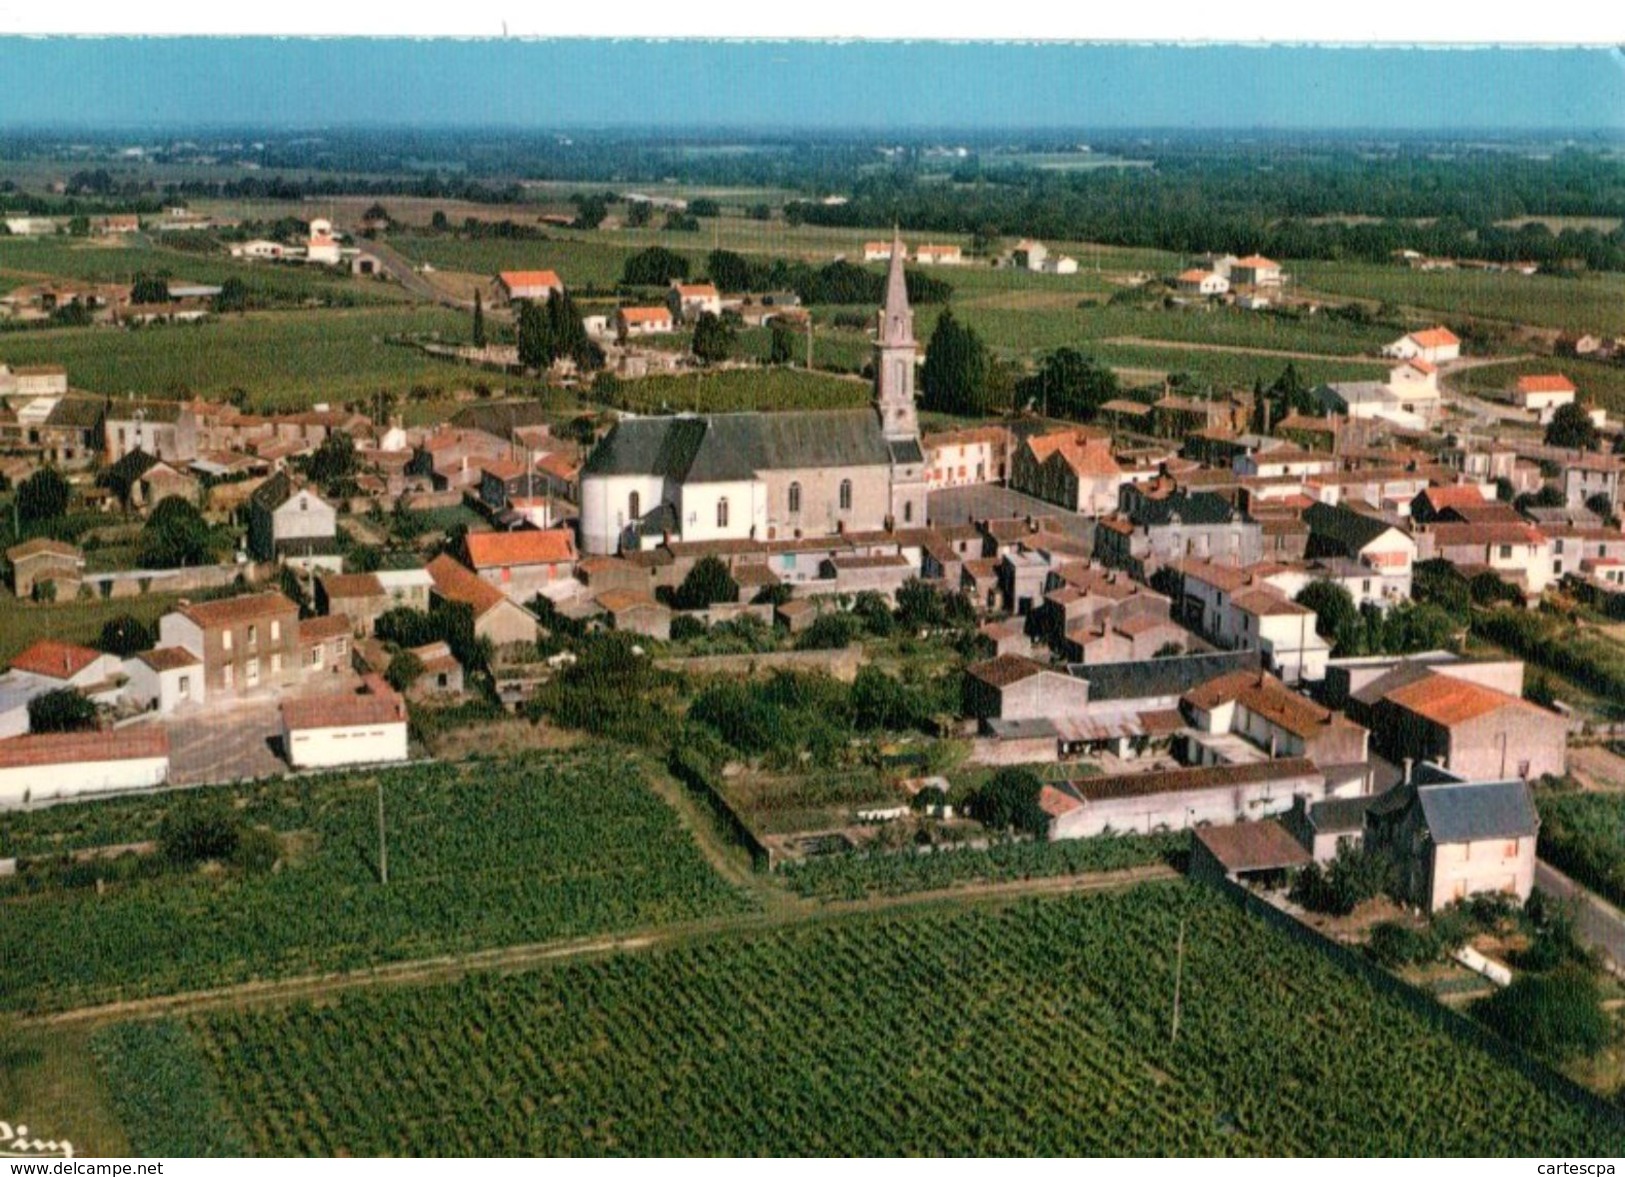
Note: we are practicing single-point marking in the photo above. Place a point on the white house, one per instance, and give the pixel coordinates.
(1544, 394)
(1031, 254)
(939, 255)
(165, 679)
(1255, 271)
(1436, 345)
(1202, 282)
(536, 285)
(325, 731)
(1060, 265)
(72, 764)
(634, 321)
(689, 300)
(322, 248)
(260, 250)
(878, 251)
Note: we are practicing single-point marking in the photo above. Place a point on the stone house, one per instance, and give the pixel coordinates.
(246, 644)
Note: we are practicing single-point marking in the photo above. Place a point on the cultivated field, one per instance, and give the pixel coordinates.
(1584, 835)
(481, 855)
(739, 390)
(1041, 1027)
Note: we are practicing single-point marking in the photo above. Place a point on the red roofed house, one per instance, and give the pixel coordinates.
(1072, 468)
(495, 616)
(1475, 731)
(1436, 345)
(69, 764)
(1432, 503)
(689, 301)
(324, 731)
(1013, 687)
(165, 679)
(525, 563)
(536, 285)
(1202, 283)
(1544, 395)
(1255, 271)
(966, 457)
(62, 664)
(631, 321)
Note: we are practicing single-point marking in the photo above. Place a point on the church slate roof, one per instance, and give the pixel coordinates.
(732, 447)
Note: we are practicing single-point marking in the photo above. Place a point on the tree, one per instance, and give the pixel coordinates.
(1009, 800)
(729, 271)
(955, 376)
(438, 221)
(65, 710)
(707, 583)
(590, 211)
(638, 213)
(1069, 384)
(376, 213)
(198, 828)
(1572, 428)
(1336, 617)
(567, 333)
(920, 605)
(43, 495)
(404, 669)
(233, 297)
(713, 338)
(761, 212)
(149, 288)
(782, 343)
(125, 635)
(830, 631)
(479, 320)
(704, 206)
(535, 348)
(655, 266)
(175, 536)
(334, 461)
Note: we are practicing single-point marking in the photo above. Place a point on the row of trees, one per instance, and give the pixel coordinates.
(553, 330)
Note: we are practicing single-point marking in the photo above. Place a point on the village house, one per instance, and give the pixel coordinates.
(168, 430)
(1387, 551)
(495, 616)
(166, 679)
(634, 611)
(1255, 271)
(1202, 283)
(1454, 839)
(31, 380)
(687, 301)
(368, 727)
(880, 251)
(321, 247)
(1587, 476)
(358, 596)
(1518, 553)
(1072, 468)
(324, 644)
(936, 255)
(1181, 799)
(246, 644)
(1258, 853)
(1133, 639)
(39, 563)
(525, 564)
(51, 665)
(528, 285)
(631, 322)
(1258, 709)
(1543, 395)
(142, 481)
(1149, 532)
(1012, 688)
(1436, 345)
(293, 525)
(1473, 730)
(967, 457)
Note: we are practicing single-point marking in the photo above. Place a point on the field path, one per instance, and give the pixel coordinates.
(1187, 345)
(523, 957)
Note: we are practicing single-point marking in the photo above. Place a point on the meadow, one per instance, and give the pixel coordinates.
(481, 855)
(22, 623)
(1038, 1027)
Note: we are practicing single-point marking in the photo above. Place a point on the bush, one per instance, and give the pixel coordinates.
(685, 628)
(1394, 945)
(707, 583)
(64, 710)
(125, 635)
(257, 850)
(1559, 1015)
(198, 830)
(1009, 800)
(1353, 877)
(832, 631)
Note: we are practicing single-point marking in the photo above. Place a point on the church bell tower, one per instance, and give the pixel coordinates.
(894, 355)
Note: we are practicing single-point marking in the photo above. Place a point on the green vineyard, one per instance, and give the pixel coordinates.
(1041, 1027)
(481, 855)
(1584, 834)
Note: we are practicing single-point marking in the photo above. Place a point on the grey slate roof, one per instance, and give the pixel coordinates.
(1470, 813)
(1199, 508)
(502, 417)
(76, 412)
(1348, 530)
(273, 492)
(1151, 678)
(1340, 815)
(732, 447)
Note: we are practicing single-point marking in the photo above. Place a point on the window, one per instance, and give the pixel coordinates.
(339, 647)
(251, 672)
(846, 494)
(276, 630)
(908, 512)
(632, 505)
(183, 686)
(276, 663)
(722, 512)
(225, 640)
(304, 503)
(253, 636)
(225, 676)
(795, 498)
(1510, 850)
(1506, 551)
(316, 656)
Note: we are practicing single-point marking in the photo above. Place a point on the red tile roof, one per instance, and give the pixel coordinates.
(361, 710)
(1265, 695)
(1006, 670)
(516, 278)
(1255, 262)
(1253, 845)
(645, 314)
(496, 549)
(1554, 383)
(1448, 701)
(234, 610)
(456, 583)
(1435, 337)
(135, 743)
(53, 659)
(351, 585)
(169, 658)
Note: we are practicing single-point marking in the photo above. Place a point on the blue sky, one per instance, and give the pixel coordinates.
(295, 83)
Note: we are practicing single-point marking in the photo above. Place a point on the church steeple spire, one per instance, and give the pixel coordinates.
(894, 353)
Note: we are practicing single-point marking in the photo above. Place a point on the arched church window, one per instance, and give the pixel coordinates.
(722, 512)
(846, 494)
(795, 498)
(632, 511)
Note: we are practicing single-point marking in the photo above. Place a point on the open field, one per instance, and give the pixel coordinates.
(1599, 382)
(284, 359)
(481, 855)
(22, 623)
(1225, 369)
(1590, 302)
(26, 259)
(739, 390)
(1037, 1027)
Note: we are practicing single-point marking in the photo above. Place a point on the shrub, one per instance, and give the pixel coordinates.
(1559, 1015)
(832, 631)
(1394, 945)
(198, 830)
(64, 710)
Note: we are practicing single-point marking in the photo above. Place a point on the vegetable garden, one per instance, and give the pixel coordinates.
(1038, 1028)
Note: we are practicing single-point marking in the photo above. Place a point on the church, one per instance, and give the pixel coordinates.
(767, 476)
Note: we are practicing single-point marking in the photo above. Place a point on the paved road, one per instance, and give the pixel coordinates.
(400, 269)
(1599, 923)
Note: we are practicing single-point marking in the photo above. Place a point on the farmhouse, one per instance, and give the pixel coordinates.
(246, 644)
(938, 255)
(1180, 799)
(292, 524)
(1255, 271)
(524, 564)
(688, 301)
(1474, 731)
(1436, 345)
(165, 679)
(1544, 395)
(634, 321)
(495, 616)
(1202, 283)
(41, 562)
(529, 285)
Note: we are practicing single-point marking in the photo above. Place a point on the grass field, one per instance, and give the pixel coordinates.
(1034, 1028)
(25, 260)
(284, 359)
(481, 855)
(740, 390)
(1602, 383)
(1590, 302)
(22, 623)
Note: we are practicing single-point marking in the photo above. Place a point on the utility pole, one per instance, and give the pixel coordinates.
(1179, 972)
(809, 341)
(383, 861)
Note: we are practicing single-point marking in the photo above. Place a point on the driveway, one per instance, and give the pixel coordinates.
(226, 741)
(1598, 922)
